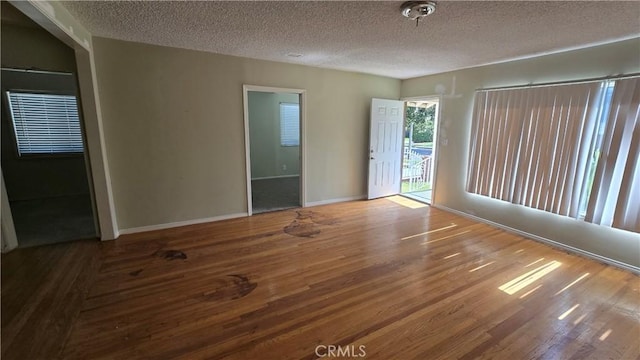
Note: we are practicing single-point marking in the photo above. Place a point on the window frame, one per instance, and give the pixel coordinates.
(14, 136)
(281, 118)
(607, 149)
(523, 185)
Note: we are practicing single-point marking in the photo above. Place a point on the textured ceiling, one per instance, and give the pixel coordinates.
(365, 36)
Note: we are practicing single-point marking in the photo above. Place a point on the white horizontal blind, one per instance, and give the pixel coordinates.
(615, 197)
(530, 146)
(45, 124)
(289, 124)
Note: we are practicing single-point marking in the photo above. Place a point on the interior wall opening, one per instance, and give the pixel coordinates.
(274, 122)
(44, 162)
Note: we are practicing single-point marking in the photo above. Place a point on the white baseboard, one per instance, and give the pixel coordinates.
(180, 223)
(333, 201)
(275, 177)
(544, 240)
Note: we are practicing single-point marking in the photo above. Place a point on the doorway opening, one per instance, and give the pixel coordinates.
(40, 43)
(48, 194)
(43, 158)
(419, 148)
(273, 144)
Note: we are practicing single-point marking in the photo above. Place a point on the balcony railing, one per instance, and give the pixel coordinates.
(416, 171)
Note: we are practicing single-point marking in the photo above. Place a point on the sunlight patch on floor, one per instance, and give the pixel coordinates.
(568, 312)
(577, 321)
(481, 266)
(606, 334)
(446, 237)
(411, 204)
(530, 291)
(535, 262)
(573, 283)
(429, 232)
(526, 279)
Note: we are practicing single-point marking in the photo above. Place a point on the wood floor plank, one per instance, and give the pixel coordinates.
(42, 292)
(405, 283)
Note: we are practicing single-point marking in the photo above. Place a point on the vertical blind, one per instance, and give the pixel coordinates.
(45, 124)
(289, 124)
(529, 145)
(616, 186)
(555, 147)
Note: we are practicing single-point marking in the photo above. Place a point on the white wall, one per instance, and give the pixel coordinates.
(173, 126)
(606, 60)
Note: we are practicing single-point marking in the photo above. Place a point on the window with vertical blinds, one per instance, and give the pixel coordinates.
(44, 123)
(615, 197)
(560, 149)
(289, 124)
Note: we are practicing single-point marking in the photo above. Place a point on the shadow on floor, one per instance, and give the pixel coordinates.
(275, 194)
(53, 220)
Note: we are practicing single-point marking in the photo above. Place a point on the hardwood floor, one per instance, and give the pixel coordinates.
(402, 281)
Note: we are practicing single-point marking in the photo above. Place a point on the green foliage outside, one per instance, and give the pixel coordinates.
(407, 188)
(424, 145)
(422, 120)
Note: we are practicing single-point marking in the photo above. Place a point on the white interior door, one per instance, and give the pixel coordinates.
(385, 147)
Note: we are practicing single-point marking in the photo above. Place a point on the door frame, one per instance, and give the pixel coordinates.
(8, 237)
(436, 139)
(33, 81)
(303, 138)
(54, 18)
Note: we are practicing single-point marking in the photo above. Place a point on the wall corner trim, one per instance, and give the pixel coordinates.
(116, 235)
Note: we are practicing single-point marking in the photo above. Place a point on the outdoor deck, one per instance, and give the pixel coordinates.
(422, 196)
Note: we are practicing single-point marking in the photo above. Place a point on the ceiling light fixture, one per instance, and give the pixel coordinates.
(416, 10)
